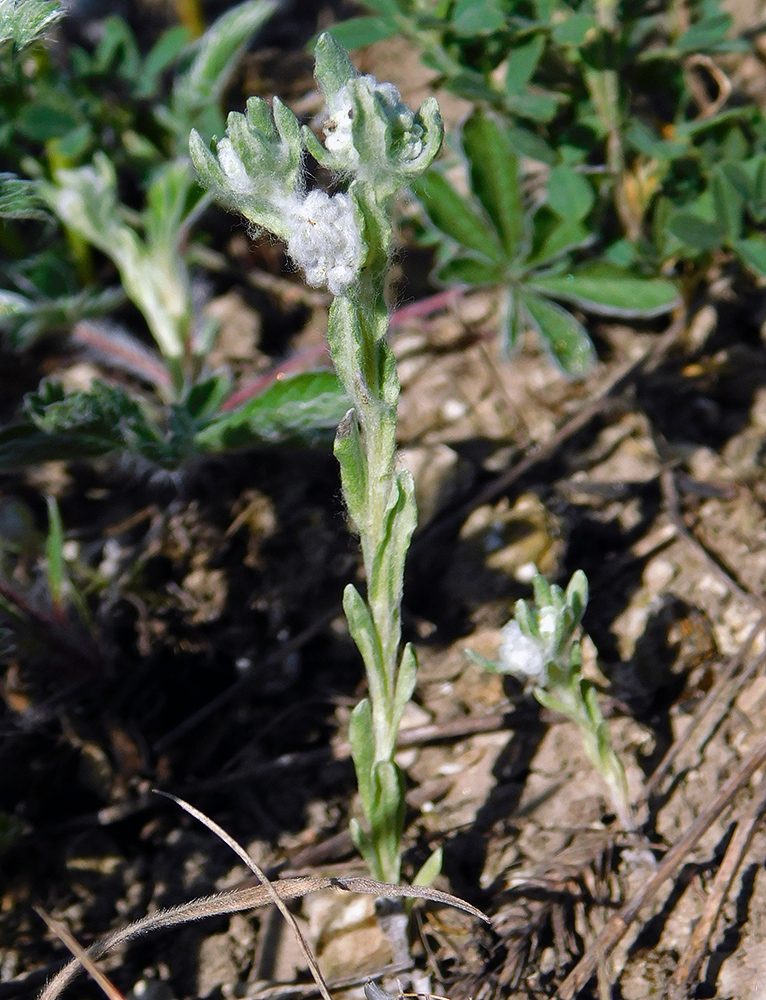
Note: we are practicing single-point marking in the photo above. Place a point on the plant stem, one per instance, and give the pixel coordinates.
(383, 511)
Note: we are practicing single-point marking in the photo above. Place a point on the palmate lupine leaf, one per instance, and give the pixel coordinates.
(529, 249)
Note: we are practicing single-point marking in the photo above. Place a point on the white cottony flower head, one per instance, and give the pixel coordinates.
(325, 240)
(521, 656)
(233, 167)
(408, 134)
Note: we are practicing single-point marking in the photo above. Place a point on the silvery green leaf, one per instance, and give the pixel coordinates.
(482, 661)
(386, 574)
(562, 334)
(197, 92)
(543, 591)
(428, 872)
(361, 737)
(406, 679)
(24, 21)
(364, 844)
(577, 594)
(334, 69)
(527, 620)
(20, 199)
(351, 457)
(387, 820)
(363, 632)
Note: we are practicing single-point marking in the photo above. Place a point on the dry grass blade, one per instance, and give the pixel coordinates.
(248, 899)
(618, 925)
(687, 971)
(80, 954)
(275, 897)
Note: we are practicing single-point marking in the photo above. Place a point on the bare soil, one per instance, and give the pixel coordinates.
(218, 667)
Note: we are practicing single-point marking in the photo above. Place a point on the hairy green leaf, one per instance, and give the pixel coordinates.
(302, 409)
(564, 336)
(449, 212)
(196, 92)
(24, 21)
(494, 173)
(610, 291)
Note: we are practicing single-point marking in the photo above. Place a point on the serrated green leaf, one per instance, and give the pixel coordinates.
(300, 409)
(610, 291)
(569, 193)
(60, 426)
(449, 212)
(203, 400)
(23, 445)
(494, 171)
(564, 336)
(25, 320)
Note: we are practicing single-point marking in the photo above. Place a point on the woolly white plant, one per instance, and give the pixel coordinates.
(374, 144)
(542, 647)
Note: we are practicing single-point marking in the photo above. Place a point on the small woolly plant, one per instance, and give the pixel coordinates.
(542, 647)
(373, 145)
